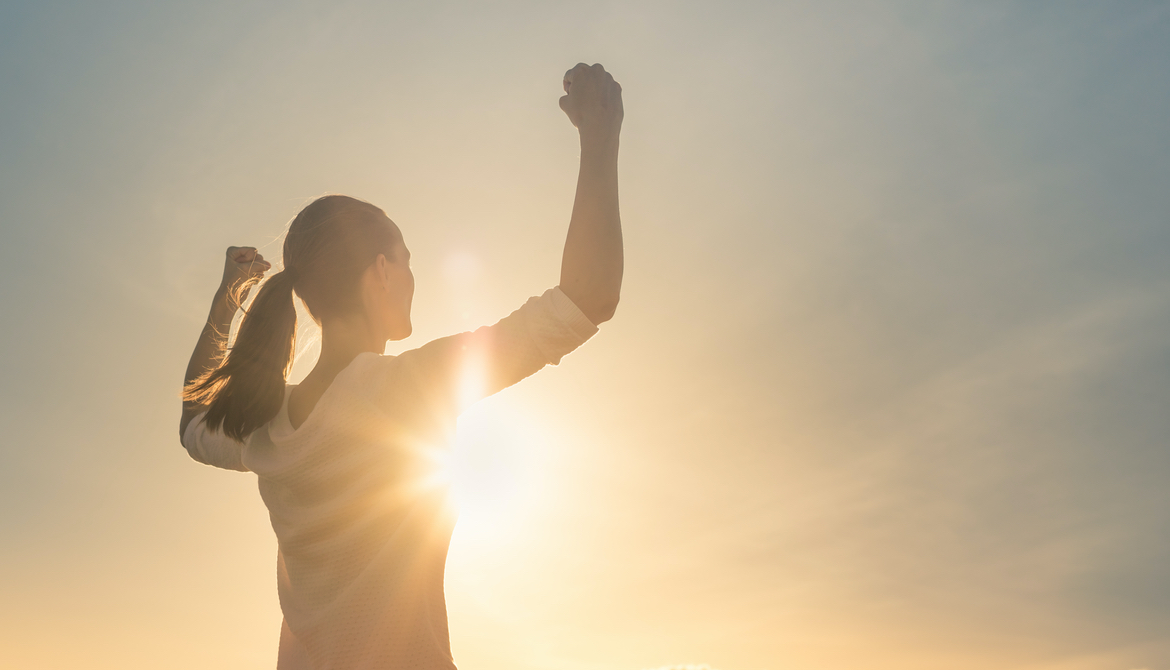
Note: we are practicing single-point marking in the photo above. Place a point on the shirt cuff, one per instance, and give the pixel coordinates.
(567, 311)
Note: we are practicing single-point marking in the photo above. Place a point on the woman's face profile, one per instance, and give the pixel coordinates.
(397, 284)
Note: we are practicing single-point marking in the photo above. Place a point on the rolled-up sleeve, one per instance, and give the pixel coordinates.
(556, 325)
(213, 448)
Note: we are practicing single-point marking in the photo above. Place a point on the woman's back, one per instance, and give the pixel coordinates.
(362, 525)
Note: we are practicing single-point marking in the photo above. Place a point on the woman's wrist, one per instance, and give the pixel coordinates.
(599, 132)
(223, 307)
(599, 145)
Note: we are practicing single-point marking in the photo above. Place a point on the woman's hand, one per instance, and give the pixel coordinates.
(593, 102)
(242, 268)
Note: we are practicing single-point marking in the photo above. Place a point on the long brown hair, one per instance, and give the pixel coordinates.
(328, 247)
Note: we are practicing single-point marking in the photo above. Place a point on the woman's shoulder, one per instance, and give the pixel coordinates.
(368, 373)
(368, 361)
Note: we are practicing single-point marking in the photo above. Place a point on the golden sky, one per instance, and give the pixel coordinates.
(886, 390)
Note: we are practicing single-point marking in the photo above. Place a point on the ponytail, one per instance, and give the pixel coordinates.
(247, 389)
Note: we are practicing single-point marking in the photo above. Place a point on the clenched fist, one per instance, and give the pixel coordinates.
(242, 267)
(593, 101)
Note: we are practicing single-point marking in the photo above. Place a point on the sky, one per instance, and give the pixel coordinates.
(887, 387)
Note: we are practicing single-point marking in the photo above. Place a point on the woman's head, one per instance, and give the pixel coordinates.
(348, 263)
(348, 260)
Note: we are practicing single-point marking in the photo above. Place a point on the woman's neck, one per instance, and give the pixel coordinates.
(340, 344)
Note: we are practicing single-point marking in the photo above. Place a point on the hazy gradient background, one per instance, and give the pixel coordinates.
(888, 387)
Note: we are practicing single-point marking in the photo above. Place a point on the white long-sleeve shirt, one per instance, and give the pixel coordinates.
(361, 518)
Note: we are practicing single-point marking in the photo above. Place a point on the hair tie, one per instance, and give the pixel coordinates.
(292, 273)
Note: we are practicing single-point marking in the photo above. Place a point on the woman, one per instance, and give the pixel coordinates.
(345, 458)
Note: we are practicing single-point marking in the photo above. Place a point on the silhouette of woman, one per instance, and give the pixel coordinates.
(344, 459)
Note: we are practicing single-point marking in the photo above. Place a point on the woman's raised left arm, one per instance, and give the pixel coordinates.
(242, 267)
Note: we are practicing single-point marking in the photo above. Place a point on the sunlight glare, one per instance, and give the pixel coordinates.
(492, 472)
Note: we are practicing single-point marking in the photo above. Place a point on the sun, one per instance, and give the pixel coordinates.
(492, 470)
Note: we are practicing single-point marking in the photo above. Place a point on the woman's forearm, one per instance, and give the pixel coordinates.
(592, 264)
(209, 349)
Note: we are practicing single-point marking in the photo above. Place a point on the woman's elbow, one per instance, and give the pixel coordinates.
(603, 310)
(597, 304)
(182, 436)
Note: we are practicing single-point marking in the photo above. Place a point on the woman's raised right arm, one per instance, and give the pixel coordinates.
(592, 265)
